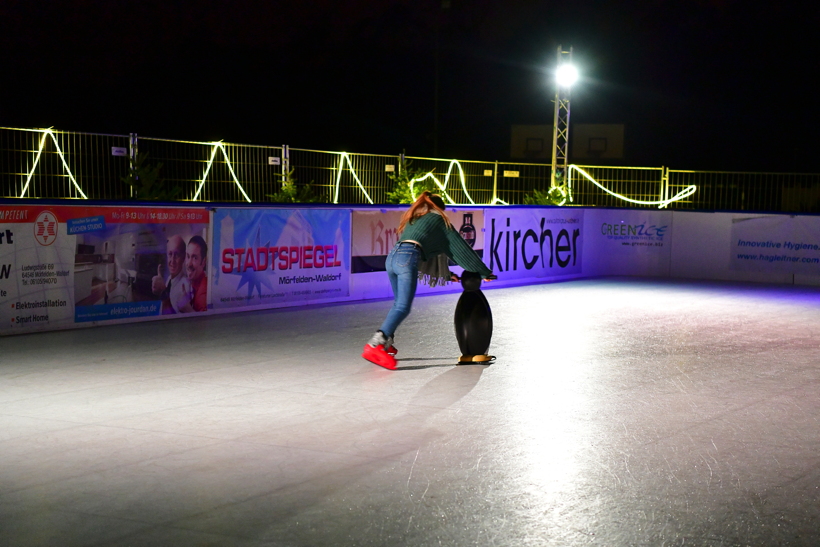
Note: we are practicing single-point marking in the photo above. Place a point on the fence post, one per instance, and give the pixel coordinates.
(495, 184)
(285, 162)
(133, 151)
(664, 185)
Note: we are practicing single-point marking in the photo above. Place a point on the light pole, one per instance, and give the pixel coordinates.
(565, 76)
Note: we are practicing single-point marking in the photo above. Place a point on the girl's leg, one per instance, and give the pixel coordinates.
(402, 270)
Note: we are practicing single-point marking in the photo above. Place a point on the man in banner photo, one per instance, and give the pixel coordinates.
(171, 291)
(270, 257)
(187, 287)
(196, 256)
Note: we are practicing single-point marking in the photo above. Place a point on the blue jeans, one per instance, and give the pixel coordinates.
(403, 271)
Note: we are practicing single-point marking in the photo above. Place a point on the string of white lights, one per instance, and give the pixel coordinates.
(46, 133)
(346, 156)
(219, 146)
(661, 203)
(443, 187)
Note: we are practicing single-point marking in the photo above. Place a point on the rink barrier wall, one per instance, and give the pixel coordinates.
(69, 264)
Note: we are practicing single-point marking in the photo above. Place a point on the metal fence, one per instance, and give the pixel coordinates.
(617, 186)
(47, 163)
(467, 182)
(216, 171)
(340, 177)
(719, 190)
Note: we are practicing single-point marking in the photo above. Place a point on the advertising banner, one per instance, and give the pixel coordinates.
(776, 243)
(65, 265)
(375, 233)
(273, 257)
(533, 242)
(627, 242)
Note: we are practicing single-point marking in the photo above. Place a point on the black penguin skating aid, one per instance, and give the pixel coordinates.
(473, 322)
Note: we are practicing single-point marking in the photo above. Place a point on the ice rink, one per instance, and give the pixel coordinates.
(620, 411)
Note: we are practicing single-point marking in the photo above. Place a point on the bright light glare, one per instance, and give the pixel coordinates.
(566, 75)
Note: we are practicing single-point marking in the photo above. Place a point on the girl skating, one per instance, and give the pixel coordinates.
(427, 238)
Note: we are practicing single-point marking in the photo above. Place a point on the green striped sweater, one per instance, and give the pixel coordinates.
(435, 238)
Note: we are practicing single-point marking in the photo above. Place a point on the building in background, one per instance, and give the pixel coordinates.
(531, 142)
(589, 143)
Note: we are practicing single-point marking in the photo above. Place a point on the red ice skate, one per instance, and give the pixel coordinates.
(378, 356)
(375, 352)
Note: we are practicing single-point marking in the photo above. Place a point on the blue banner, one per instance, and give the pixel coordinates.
(269, 257)
(85, 225)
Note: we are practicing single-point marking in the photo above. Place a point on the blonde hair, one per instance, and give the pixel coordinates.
(424, 204)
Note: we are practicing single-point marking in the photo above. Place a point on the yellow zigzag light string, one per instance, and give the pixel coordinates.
(345, 156)
(430, 175)
(49, 132)
(220, 146)
(443, 187)
(685, 193)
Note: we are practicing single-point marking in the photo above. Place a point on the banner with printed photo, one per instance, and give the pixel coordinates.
(775, 243)
(627, 242)
(64, 265)
(533, 242)
(140, 262)
(375, 233)
(273, 257)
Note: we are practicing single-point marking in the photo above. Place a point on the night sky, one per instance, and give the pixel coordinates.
(699, 84)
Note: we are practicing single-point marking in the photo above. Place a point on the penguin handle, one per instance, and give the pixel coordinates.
(470, 281)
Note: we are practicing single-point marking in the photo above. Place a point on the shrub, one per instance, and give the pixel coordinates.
(145, 182)
(402, 192)
(292, 192)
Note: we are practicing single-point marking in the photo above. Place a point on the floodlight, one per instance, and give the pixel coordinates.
(566, 75)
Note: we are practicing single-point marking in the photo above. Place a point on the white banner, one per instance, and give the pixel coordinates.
(65, 265)
(36, 270)
(627, 242)
(776, 243)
